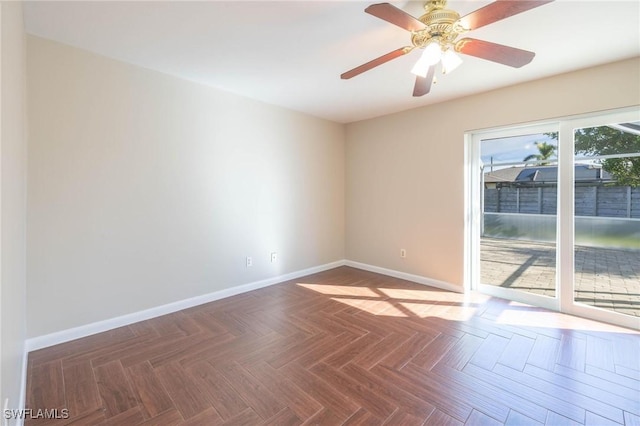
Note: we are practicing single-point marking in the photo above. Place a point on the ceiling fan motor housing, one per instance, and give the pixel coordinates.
(441, 25)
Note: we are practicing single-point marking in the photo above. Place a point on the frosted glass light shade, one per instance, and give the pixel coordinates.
(420, 68)
(430, 56)
(432, 53)
(450, 61)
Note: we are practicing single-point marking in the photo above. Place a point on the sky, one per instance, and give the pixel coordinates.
(511, 149)
(514, 149)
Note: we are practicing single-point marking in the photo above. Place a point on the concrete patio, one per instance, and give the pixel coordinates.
(605, 278)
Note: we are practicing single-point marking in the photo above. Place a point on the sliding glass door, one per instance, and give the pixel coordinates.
(555, 215)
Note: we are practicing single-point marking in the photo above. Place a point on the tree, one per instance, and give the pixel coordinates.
(606, 140)
(545, 152)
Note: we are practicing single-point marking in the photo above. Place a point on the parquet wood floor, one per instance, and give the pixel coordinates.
(349, 347)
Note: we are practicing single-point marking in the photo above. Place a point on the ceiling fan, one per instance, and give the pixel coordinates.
(437, 32)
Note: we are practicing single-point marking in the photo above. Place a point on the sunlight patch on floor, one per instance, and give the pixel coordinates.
(402, 303)
(373, 307)
(338, 290)
(400, 293)
(549, 319)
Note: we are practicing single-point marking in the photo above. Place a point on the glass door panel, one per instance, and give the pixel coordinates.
(518, 192)
(607, 217)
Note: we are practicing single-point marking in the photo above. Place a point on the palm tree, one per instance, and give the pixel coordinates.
(545, 152)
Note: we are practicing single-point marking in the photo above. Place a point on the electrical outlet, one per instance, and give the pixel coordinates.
(403, 253)
(249, 262)
(274, 257)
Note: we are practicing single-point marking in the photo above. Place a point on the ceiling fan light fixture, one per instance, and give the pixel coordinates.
(430, 56)
(432, 53)
(450, 61)
(421, 68)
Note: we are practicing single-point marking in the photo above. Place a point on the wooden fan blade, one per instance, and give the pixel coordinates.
(499, 53)
(392, 14)
(497, 11)
(423, 84)
(374, 63)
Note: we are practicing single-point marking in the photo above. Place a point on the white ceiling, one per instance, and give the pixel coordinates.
(291, 53)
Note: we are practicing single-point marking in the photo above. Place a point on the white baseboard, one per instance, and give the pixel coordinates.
(47, 340)
(405, 276)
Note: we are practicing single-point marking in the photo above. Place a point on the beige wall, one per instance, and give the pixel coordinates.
(13, 193)
(405, 172)
(145, 189)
